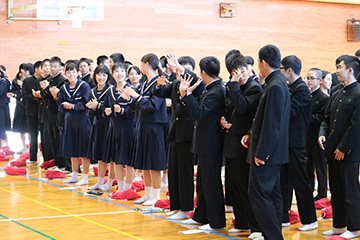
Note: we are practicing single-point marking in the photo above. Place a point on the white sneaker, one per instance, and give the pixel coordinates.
(334, 231)
(235, 230)
(255, 235)
(180, 215)
(308, 227)
(190, 221)
(349, 234)
(207, 227)
(172, 213)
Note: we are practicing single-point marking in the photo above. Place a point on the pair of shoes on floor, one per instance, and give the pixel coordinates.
(308, 227)
(342, 232)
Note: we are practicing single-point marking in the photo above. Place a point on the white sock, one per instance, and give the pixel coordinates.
(74, 178)
(120, 186)
(85, 176)
(109, 183)
(100, 180)
(164, 178)
(148, 192)
(127, 186)
(147, 196)
(156, 193)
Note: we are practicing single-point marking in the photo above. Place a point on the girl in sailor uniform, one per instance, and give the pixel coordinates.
(72, 99)
(120, 138)
(5, 123)
(100, 123)
(152, 119)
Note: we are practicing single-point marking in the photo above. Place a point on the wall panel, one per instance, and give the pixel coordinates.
(315, 32)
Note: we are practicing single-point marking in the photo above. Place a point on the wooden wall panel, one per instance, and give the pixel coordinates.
(315, 32)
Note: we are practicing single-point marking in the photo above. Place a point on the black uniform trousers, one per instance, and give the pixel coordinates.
(345, 193)
(317, 160)
(294, 173)
(237, 186)
(45, 143)
(181, 176)
(266, 199)
(54, 134)
(33, 127)
(210, 202)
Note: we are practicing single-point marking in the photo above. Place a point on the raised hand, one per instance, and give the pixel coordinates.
(236, 76)
(124, 95)
(162, 81)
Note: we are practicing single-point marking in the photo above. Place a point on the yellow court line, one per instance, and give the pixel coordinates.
(65, 212)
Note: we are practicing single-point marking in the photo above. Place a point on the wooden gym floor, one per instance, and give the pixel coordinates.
(32, 207)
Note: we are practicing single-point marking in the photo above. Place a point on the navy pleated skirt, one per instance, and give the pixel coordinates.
(20, 123)
(96, 147)
(75, 137)
(5, 122)
(150, 151)
(119, 145)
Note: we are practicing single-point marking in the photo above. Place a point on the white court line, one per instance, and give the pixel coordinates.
(62, 216)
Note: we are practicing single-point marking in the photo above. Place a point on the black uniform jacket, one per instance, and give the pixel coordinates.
(300, 97)
(244, 100)
(31, 102)
(319, 103)
(341, 126)
(207, 138)
(269, 135)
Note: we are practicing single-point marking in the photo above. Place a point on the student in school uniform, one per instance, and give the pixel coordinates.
(339, 136)
(44, 136)
(19, 122)
(187, 62)
(104, 60)
(293, 174)
(268, 149)
(100, 124)
(134, 75)
(116, 58)
(207, 143)
(50, 113)
(325, 82)
(31, 105)
(120, 138)
(180, 158)
(315, 155)
(243, 94)
(150, 154)
(5, 124)
(72, 99)
(84, 68)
